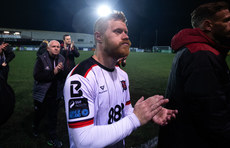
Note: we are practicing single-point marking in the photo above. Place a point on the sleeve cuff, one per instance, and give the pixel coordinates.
(135, 121)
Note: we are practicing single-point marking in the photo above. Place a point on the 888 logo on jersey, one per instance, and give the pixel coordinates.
(78, 108)
(115, 113)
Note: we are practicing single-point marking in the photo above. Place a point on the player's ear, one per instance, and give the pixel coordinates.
(98, 37)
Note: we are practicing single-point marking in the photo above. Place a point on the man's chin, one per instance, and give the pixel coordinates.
(123, 55)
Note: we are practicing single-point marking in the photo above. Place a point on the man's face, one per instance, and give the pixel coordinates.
(221, 27)
(116, 40)
(54, 48)
(67, 40)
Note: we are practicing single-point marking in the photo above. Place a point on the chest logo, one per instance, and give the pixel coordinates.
(102, 87)
(123, 84)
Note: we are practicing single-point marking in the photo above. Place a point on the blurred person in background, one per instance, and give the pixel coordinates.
(6, 55)
(199, 82)
(48, 87)
(69, 51)
(42, 47)
(7, 96)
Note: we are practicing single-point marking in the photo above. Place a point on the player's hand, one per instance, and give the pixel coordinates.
(4, 64)
(163, 116)
(145, 110)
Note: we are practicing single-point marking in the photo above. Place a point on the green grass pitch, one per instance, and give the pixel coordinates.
(148, 74)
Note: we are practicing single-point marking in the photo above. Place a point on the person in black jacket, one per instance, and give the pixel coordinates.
(6, 55)
(199, 82)
(7, 96)
(42, 47)
(48, 87)
(69, 51)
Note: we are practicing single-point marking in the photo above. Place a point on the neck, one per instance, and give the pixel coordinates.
(52, 55)
(104, 59)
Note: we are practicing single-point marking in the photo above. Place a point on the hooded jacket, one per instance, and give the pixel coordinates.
(199, 87)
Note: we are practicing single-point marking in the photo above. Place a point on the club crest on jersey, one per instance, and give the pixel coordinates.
(123, 84)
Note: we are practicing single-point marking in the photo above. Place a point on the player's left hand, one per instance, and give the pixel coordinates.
(164, 115)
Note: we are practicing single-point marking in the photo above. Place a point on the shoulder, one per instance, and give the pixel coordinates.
(121, 71)
(84, 67)
(44, 55)
(195, 47)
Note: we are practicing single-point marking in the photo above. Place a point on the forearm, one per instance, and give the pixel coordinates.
(104, 135)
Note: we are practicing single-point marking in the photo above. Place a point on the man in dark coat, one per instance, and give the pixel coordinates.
(69, 51)
(199, 82)
(48, 87)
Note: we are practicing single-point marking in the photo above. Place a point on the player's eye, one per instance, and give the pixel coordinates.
(118, 31)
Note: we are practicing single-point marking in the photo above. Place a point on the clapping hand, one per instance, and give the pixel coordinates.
(72, 45)
(164, 115)
(58, 68)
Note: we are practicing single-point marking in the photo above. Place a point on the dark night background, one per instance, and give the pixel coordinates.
(150, 22)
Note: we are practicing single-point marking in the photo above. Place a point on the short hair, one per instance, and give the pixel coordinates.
(65, 36)
(52, 42)
(207, 11)
(102, 23)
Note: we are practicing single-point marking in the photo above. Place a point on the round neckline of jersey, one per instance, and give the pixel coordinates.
(102, 66)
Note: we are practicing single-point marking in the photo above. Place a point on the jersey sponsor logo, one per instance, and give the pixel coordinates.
(123, 84)
(75, 89)
(78, 108)
(115, 113)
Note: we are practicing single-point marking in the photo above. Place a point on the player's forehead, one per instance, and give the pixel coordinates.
(223, 14)
(117, 24)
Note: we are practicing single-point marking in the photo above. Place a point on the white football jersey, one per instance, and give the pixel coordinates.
(96, 95)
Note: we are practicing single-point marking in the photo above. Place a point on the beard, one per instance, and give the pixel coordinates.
(117, 51)
(223, 39)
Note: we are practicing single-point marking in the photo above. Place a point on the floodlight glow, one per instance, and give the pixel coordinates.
(6, 32)
(17, 33)
(104, 10)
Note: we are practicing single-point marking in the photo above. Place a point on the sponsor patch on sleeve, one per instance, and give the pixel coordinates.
(78, 108)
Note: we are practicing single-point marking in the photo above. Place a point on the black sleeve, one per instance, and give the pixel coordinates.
(76, 52)
(41, 74)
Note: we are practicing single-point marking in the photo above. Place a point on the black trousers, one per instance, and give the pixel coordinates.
(48, 110)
